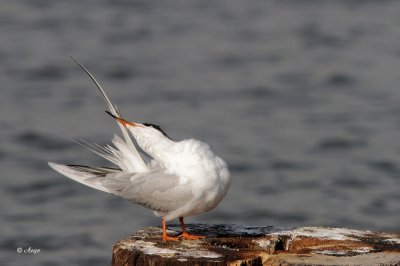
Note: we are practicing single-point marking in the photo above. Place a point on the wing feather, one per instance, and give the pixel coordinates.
(156, 190)
(88, 176)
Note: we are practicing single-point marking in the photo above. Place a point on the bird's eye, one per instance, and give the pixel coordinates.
(158, 128)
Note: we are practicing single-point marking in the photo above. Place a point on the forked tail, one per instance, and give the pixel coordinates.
(129, 156)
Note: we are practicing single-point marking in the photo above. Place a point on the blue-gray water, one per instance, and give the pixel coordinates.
(301, 98)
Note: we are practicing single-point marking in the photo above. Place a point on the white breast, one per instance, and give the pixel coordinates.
(194, 161)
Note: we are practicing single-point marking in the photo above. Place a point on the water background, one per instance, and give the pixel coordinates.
(301, 98)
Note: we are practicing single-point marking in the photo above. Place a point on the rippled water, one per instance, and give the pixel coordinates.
(300, 97)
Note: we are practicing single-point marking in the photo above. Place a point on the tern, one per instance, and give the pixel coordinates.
(175, 179)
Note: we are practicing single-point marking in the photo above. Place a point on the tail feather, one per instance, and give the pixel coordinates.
(137, 163)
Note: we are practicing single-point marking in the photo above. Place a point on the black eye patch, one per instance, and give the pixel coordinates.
(158, 128)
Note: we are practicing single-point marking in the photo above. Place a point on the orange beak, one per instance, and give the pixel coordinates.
(123, 121)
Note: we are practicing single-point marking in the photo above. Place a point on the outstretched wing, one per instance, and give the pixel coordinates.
(126, 156)
(88, 176)
(155, 190)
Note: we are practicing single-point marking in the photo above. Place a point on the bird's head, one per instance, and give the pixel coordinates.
(148, 136)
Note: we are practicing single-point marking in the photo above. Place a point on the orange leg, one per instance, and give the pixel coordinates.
(164, 233)
(185, 234)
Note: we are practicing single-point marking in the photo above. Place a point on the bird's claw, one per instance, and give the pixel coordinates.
(170, 238)
(191, 237)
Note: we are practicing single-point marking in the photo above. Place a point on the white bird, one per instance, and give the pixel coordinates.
(173, 178)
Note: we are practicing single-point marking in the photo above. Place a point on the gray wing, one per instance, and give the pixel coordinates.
(155, 190)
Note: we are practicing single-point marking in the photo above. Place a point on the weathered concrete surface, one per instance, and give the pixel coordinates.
(251, 245)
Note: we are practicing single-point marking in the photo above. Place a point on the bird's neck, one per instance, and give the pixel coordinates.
(158, 148)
